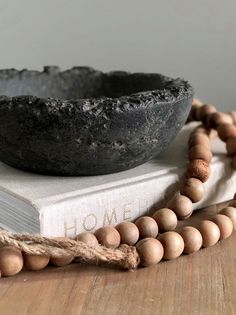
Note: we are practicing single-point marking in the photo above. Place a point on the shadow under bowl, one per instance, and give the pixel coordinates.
(85, 122)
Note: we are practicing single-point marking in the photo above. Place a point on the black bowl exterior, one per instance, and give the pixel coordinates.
(91, 136)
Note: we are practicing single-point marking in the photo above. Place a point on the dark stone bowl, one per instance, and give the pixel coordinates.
(85, 122)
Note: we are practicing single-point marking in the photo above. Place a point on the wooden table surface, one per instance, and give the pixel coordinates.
(201, 283)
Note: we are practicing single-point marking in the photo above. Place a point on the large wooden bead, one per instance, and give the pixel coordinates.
(199, 169)
(129, 233)
(196, 102)
(224, 224)
(219, 118)
(150, 251)
(230, 212)
(210, 233)
(166, 219)
(11, 261)
(182, 206)
(108, 236)
(204, 111)
(226, 131)
(36, 262)
(200, 152)
(62, 260)
(231, 146)
(192, 239)
(199, 138)
(193, 188)
(173, 244)
(147, 227)
(87, 238)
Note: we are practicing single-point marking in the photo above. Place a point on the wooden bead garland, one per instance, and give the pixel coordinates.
(169, 244)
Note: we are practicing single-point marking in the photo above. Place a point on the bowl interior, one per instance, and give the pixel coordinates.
(78, 83)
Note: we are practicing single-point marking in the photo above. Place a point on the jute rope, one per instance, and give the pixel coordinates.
(125, 256)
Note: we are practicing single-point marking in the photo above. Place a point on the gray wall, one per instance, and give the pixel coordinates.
(191, 39)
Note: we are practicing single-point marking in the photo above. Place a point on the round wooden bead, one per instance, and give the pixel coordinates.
(88, 238)
(204, 111)
(199, 138)
(129, 233)
(192, 239)
(226, 131)
(36, 262)
(150, 251)
(196, 102)
(210, 233)
(147, 227)
(11, 261)
(199, 169)
(231, 146)
(219, 118)
(200, 152)
(62, 260)
(201, 129)
(108, 236)
(193, 188)
(182, 206)
(224, 224)
(173, 244)
(231, 213)
(166, 219)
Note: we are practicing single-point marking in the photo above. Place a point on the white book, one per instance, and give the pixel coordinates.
(58, 206)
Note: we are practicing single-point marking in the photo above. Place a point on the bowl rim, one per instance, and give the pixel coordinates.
(175, 90)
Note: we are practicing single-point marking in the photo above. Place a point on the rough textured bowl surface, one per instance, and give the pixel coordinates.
(85, 122)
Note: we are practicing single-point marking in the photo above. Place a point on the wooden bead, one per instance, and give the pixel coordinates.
(192, 239)
(196, 102)
(11, 261)
(108, 236)
(166, 219)
(199, 138)
(129, 233)
(204, 111)
(219, 118)
(193, 188)
(201, 129)
(173, 244)
(226, 131)
(147, 227)
(62, 260)
(88, 238)
(150, 251)
(36, 262)
(182, 206)
(230, 212)
(199, 169)
(231, 146)
(224, 224)
(210, 233)
(200, 152)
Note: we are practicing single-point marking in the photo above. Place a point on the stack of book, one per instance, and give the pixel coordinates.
(66, 206)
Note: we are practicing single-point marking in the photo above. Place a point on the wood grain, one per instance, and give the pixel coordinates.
(201, 283)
